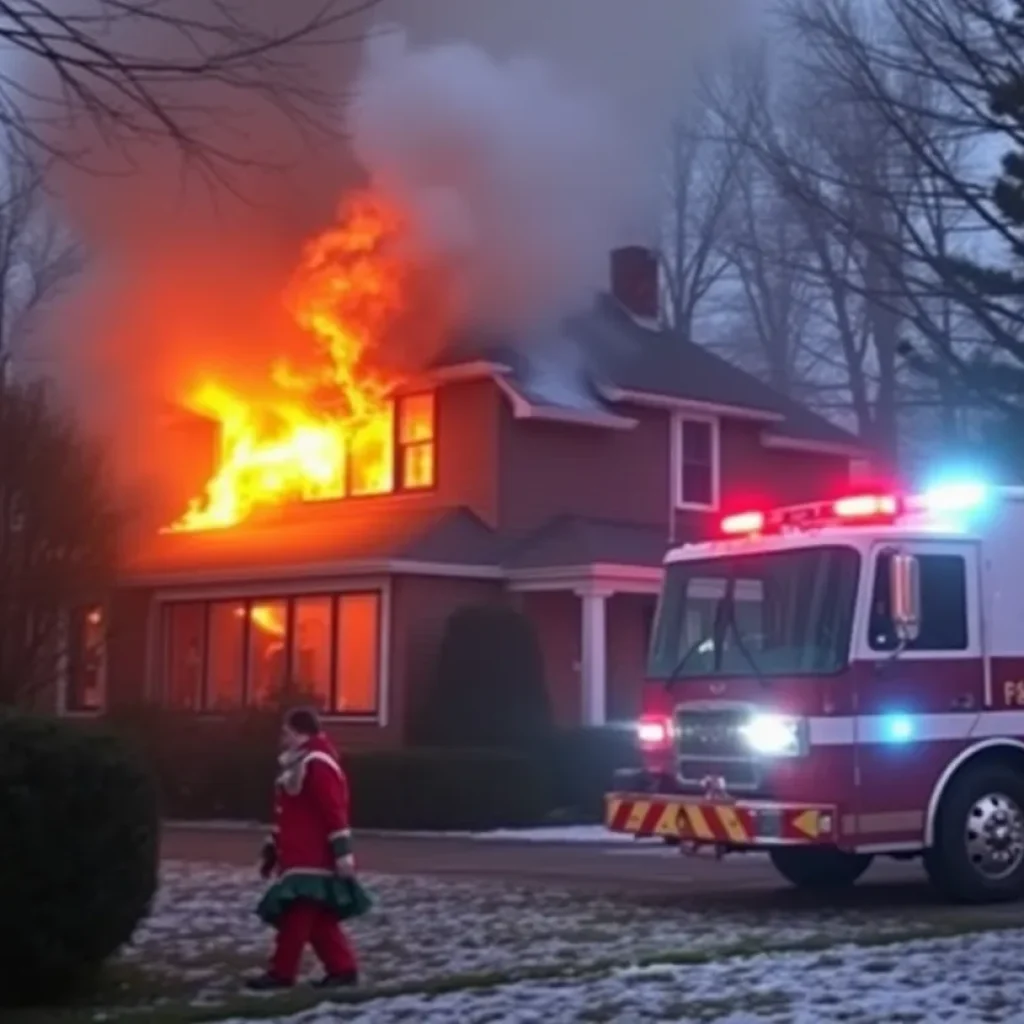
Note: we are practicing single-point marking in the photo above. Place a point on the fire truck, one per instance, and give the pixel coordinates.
(841, 680)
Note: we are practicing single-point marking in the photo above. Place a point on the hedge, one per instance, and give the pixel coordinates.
(224, 769)
(79, 839)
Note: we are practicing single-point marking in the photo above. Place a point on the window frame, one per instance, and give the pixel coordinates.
(289, 594)
(679, 422)
(399, 447)
(71, 652)
(968, 551)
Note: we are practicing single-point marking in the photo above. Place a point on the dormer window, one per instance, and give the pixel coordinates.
(695, 462)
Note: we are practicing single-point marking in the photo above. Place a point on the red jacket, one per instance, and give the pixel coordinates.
(311, 811)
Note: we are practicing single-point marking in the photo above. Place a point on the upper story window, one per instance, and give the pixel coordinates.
(943, 605)
(695, 462)
(416, 441)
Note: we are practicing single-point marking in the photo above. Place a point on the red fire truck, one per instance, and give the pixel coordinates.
(839, 680)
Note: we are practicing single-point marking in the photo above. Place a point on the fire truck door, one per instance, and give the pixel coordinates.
(914, 706)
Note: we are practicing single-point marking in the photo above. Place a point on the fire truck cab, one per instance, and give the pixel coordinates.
(839, 680)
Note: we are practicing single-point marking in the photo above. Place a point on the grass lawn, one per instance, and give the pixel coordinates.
(465, 949)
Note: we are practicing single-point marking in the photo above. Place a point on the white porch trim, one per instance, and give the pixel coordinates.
(616, 579)
(593, 656)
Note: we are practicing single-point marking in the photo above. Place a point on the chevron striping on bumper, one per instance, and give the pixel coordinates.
(730, 820)
(698, 823)
(637, 815)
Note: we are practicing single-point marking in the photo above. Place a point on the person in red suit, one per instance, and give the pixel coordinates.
(310, 853)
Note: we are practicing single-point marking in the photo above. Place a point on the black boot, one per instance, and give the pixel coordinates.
(268, 983)
(345, 980)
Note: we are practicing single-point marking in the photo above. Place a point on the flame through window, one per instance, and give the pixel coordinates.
(790, 612)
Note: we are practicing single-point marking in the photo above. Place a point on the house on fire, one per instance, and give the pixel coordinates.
(508, 486)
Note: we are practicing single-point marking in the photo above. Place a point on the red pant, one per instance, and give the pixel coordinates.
(309, 923)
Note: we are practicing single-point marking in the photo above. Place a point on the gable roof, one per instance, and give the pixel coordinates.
(620, 360)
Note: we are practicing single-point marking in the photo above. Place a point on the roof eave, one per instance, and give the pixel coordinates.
(524, 409)
(850, 450)
(673, 403)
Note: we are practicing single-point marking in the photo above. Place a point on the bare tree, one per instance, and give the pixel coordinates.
(923, 72)
(702, 190)
(772, 304)
(58, 532)
(130, 66)
(37, 257)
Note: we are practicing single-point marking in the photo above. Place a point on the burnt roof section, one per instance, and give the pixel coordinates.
(616, 350)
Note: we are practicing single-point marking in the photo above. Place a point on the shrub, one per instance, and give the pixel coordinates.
(580, 764)
(206, 768)
(447, 790)
(488, 689)
(79, 847)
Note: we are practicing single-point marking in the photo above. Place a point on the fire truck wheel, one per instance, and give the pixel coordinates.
(819, 868)
(978, 856)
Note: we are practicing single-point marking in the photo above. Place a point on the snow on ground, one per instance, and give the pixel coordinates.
(559, 834)
(542, 834)
(967, 979)
(203, 935)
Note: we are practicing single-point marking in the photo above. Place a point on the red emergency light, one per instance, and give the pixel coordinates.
(874, 508)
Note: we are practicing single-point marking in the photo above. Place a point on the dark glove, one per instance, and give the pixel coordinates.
(268, 859)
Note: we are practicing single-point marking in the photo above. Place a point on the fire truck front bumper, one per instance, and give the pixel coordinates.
(720, 822)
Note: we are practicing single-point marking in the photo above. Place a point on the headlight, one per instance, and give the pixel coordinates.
(773, 735)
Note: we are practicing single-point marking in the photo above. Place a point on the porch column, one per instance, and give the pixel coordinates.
(594, 656)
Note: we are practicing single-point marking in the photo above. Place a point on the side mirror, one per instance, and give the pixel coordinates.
(905, 596)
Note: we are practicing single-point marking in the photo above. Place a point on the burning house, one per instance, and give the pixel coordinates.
(330, 549)
(330, 515)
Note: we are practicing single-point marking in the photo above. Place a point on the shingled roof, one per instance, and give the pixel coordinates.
(617, 353)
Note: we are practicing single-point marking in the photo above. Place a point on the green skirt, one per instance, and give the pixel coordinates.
(344, 897)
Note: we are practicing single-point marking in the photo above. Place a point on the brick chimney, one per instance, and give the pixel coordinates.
(635, 280)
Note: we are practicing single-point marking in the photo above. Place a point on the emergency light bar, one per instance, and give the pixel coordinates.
(858, 508)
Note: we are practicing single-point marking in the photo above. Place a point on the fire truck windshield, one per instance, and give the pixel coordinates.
(791, 614)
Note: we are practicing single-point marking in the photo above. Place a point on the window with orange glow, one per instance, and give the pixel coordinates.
(268, 652)
(225, 669)
(358, 637)
(185, 655)
(371, 460)
(86, 660)
(417, 441)
(311, 650)
(223, 655)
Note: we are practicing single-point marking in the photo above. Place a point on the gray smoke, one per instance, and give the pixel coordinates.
(529, 153)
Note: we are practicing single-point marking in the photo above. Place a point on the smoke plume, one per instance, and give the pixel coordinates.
(525, 137)
(525, 163)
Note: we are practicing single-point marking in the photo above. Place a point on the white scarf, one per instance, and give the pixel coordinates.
(293, 769)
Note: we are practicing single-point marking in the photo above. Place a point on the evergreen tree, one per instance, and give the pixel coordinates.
(993, 290)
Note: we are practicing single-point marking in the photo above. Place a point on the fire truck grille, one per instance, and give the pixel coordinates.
(709, 743)
(737, 775)
(713, 735)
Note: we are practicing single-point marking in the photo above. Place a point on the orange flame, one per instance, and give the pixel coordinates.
(327, 432)
(265, 617)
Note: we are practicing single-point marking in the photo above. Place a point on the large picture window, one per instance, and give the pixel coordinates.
(222, 655)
